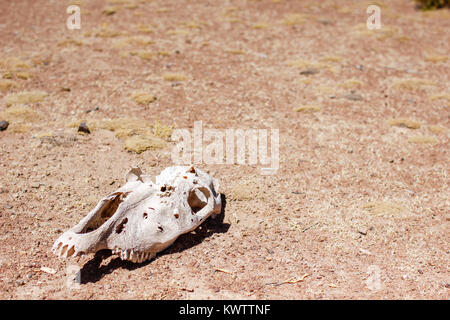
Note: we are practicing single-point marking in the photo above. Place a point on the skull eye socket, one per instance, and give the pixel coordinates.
(198, 198)
(105, 212)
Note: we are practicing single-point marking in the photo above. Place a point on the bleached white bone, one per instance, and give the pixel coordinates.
(143, 217)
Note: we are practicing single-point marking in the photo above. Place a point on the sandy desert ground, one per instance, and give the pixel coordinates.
(358, 209)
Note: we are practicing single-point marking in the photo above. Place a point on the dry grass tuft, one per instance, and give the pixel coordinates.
(70, 42)
(260, 25)
(243, 191)
(140, 144)
(20, 113)
(436, 58)
(403, 122)
(44, 134)
(192, 25)
(144, 28)
(24, 75)
(163, 53)
(162, 131)
(236, 51)
(422, 140)
(20, 128)
(170, 76)
(383, 208)
(305, 64)
(307, 109)
(106, 32)
(351, 84)
(143, 98)
(144, 55)
(125, 127)
(436, 129)
(325, 90)
(411, 84)
(25, 97)
(109, 11)
(293, 19)
(382, 34)
(331, 59)
(5, 85)
(440, 97)
(179, 32)
(7, 75)
(13, 64)
(163, 10)
(138, 134)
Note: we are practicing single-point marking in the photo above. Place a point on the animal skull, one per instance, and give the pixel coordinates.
(142, 218)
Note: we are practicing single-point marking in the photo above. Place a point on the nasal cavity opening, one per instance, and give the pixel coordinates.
(105, 212)
(198, 198)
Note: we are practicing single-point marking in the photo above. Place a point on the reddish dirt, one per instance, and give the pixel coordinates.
(359, 209)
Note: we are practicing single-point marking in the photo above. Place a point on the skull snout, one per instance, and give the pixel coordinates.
(86, 236)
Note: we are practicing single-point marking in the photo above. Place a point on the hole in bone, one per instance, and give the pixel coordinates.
(71, 251)
(163, 188)
(145, 215)
(105, 212)
(121, 225)
(160, 228)
(191, 170)
(64, 249)
(176, 215)
(198, 198)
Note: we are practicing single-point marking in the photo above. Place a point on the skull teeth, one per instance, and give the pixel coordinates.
(133, 256)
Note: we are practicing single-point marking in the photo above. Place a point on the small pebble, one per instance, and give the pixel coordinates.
(20, 282)
(4, 125)
(84, 128)
(309, 72)
(90, 110)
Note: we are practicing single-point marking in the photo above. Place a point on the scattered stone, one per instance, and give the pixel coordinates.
(20, 282)
(36, 185)
(84, 128)
(65, 89)
(325, 22)
(4, 125)
(90, 110)
(48, 270)
(7, 206)
(360, 67)
(309, 72)
(353, 97)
